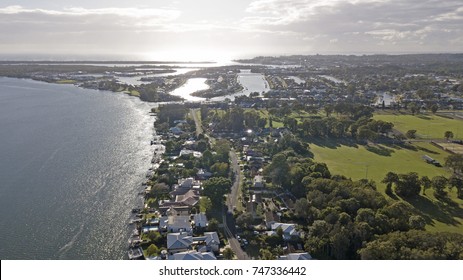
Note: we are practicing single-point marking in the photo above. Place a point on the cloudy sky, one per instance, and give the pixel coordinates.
(211, 29)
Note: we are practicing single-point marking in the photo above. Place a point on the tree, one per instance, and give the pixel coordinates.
(222, 147)
(205, 204)
(414, 108)
(417, 222)
(213, 225)
(426, 183)
(265, 254)
(228, 253)
(434, 108)
(438, 184)
(411, 134)
(328, 109)
(154, 236)
(389, 179)
(301, 208)
(456, 182)
(414, 245)
(220, 169)
(408, 185)
(244, 220)
(448, 134)
(278, 170)
(215, 188)
(455, 162)
(152, 250)
(364, 133)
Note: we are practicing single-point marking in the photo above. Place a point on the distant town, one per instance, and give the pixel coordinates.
(334, 157)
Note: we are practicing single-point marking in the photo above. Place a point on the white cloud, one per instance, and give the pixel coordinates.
(161, 15)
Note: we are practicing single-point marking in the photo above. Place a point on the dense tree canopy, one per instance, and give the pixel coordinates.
(415, 245)
(215, 188)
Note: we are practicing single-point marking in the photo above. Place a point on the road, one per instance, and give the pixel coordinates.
(233, 196)
(199, 128)
(232, 199)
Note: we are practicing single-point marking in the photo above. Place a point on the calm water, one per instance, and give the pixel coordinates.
(71, 164)
(191, 85)
(251, 82)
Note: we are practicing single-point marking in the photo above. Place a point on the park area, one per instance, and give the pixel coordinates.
(373, 161)
(360, 162)
(427, 126)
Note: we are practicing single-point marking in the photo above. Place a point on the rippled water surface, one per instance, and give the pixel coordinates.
(71, 164)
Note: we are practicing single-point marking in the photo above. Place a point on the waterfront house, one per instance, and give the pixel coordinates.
(193, 255)
(178, 242)
(179, 224)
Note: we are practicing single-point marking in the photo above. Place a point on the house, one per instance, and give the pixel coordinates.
(209, 242)
(203, 174)
(212, 241)
(189, 198)
(179, 224)
(200, 220)
(289, 230)
(271, 218)
(176, 130)
(183, 199)
(195, 154)
(186, 183)
(178, 242)
(296, 257)
(193, 255)
(258, 181)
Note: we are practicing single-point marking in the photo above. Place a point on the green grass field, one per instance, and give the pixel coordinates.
(426, 125)
(356, 162)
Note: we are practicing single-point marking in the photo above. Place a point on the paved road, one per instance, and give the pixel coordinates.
(232, 199)
(199, 128)
(233, 196)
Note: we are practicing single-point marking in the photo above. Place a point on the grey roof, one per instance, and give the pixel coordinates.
(178, 241)
(193, 255)
(296, 257)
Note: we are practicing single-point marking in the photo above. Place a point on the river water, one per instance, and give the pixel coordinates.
(251, 82)
(72, 161)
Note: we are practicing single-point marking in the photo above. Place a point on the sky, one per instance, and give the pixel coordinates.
(221, 30)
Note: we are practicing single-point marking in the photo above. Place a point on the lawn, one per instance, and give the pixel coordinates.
(356, 162)
(426, 125)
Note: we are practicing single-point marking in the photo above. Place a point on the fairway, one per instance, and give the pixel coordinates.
(359, 163)
(427, 126)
